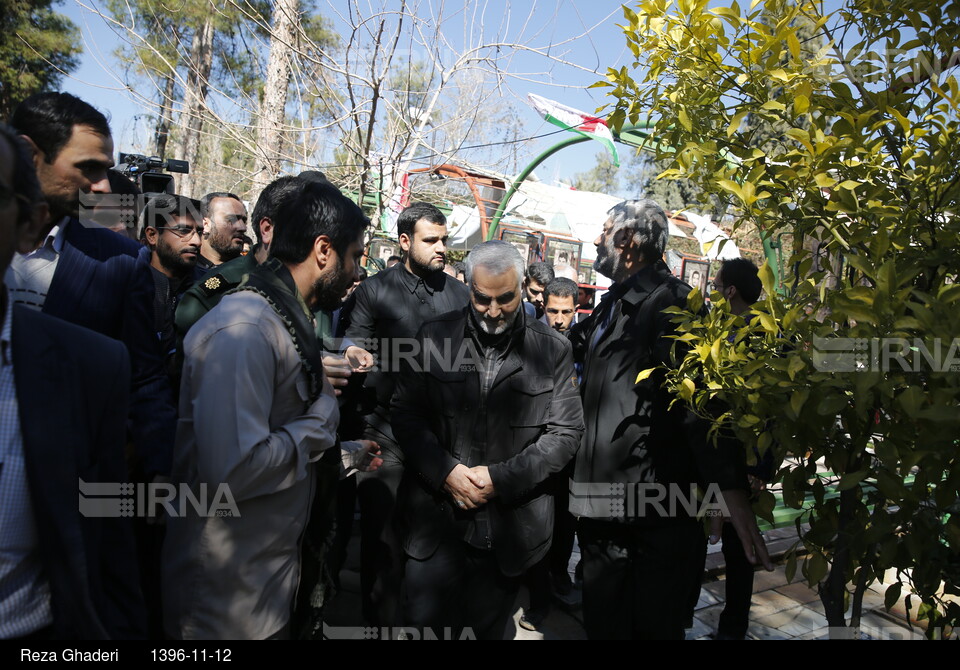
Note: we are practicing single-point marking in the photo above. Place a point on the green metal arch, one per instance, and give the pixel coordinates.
(634, 135)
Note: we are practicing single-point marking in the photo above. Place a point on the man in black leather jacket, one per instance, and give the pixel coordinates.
(484, 412)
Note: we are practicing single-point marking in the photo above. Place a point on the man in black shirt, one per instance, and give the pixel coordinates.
(384, 314)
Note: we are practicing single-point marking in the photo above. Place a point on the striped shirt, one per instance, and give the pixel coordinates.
(29, 276)
(24, 593)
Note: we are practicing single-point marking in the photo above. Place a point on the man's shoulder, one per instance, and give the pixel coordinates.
(544, 335)
(209, 288)
(242, 320)
(239, 308)
(455, 286)
(447, 321)
(217, 281)
(70, 340)
(98, 242)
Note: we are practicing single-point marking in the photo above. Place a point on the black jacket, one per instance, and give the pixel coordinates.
(532, 422)
(632, 435)
(383, 315)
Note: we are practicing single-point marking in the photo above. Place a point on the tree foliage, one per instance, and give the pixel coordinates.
(850, 365)
(37, 47)
(601, 178)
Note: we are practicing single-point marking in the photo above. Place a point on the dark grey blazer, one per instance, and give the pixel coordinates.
(73, 388)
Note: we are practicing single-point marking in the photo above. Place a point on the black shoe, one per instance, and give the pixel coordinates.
(562, 584)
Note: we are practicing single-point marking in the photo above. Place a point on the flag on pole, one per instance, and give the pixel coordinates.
(569, 118)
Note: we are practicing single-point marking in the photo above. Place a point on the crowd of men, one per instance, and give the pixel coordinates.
(477, 418)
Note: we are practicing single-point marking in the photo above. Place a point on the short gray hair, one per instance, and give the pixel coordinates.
(496, 256)
(648, 222)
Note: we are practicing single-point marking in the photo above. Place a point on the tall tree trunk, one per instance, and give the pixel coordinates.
(286, 19)
(201, 62)
(162, 134)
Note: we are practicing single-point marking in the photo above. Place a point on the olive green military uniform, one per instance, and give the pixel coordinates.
(207, 291)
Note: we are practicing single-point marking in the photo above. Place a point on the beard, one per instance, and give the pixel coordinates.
(606, 262)
(222, 242)
(330, 289)
(173, 259)
(497, 326)
(422, 265)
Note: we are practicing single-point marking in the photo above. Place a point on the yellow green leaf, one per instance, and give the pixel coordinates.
(824, 180)
(644, 374)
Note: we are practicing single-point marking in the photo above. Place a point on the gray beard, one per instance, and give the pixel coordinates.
(500, 330)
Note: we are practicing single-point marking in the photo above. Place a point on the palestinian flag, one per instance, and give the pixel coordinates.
(569, 118)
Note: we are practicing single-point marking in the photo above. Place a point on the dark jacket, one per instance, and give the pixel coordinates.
(632, 435)
(382, 315)
(98, 284)
(532, 422)
(72, 391)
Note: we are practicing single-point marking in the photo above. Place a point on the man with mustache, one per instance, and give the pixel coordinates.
(259, 415)
(224, 225)
(172, 229)
(385, 312)
(642, 563)
(482, 428)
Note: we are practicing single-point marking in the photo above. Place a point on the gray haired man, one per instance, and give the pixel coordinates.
(642, 550)
(481, 426)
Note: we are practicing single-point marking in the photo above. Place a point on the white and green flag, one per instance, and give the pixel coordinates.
(569, 118)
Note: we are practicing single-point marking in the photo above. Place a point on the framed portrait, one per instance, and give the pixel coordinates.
(696, 273)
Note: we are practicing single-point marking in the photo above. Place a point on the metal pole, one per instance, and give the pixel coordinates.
(576, 139)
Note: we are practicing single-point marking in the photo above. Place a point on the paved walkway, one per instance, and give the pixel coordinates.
(780, 610)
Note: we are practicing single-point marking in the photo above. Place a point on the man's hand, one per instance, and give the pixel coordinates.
(483, 481)
(745, 523)
(463, 486)
(360, 455)
(360, 360)
(338, 371)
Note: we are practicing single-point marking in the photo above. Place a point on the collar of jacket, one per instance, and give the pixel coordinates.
(512, 337)
(432, 283)
(644, 282)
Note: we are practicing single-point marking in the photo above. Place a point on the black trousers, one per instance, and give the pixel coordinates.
(554, 564)
(381, 553)
(458, 588)
(736, 611)
(638, 582)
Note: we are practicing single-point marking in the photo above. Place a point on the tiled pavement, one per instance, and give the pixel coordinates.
(780, 610)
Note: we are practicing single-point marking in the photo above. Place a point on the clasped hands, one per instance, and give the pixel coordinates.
(469, 487)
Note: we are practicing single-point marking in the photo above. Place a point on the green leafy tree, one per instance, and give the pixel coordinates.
(862, 171)
(601, 178)
(37, 47)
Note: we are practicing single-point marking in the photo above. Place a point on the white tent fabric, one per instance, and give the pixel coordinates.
(711, 238)
(579, 214)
